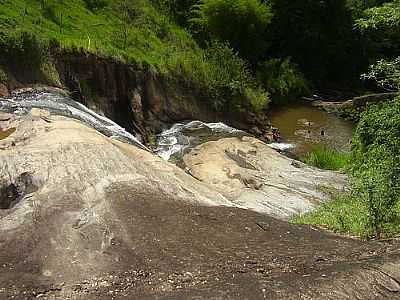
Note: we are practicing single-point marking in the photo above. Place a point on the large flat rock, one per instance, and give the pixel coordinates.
(86, 217)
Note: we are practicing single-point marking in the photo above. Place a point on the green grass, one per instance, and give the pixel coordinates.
(151, 37)
(133, 32)
(346, 213)
(327, 158)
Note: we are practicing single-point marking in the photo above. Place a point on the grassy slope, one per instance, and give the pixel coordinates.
(153, 39)
(143, 36)
(347, 214)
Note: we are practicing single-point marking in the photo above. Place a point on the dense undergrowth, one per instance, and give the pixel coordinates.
(239, 54)
(371, 207)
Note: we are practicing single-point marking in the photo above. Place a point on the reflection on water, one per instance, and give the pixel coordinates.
(306, 126)
(6, 133)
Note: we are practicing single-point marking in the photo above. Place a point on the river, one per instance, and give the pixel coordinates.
(300, 125)
(303, 127)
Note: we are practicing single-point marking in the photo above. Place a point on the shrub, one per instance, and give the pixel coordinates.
(242, 23)
(223, 76)
(376, 163)
(50, 12)
(372, 207)
(377, 184)
(232, 80)
(179, 9)
(282, 79)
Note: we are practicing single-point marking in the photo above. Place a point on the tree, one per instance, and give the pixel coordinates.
(381, 28)
(179, 9)
(386, 74)
(241, 23)
(318, 36)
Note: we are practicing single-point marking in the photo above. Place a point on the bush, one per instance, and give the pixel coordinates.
(377, 184)
(50, 12)
(376, 162)
(282, 80)
(241, 23)
(232, 81)
(326, 158)
(179, 9)
(223, 76)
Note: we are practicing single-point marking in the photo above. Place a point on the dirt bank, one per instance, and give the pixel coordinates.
(139, 99)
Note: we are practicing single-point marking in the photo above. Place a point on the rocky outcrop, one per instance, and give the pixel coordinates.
(139, 99)
(251, 174)
(86, 216)
(142, 101)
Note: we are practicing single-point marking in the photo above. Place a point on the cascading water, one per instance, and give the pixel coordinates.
(59, 103)
(180, 138)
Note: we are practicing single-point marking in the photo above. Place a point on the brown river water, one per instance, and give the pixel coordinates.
(6, 133)
(304, 127)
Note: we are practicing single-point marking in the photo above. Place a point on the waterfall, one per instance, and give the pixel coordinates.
(58, 102)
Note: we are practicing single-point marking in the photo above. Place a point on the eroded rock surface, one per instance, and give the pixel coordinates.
(251, 174)
(99, 219)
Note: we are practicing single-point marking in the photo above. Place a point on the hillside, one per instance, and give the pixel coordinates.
(132, 32)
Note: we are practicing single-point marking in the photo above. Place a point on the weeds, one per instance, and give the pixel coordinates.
(327, 158)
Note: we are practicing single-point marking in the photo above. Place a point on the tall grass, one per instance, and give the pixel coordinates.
(327, 158)
(348, 213)
(342, 214)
